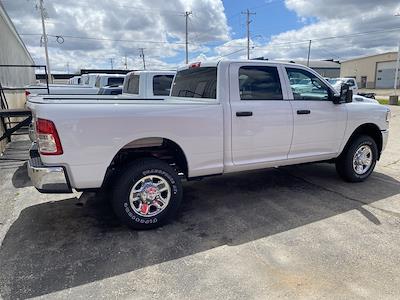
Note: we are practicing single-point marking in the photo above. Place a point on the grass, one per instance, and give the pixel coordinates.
(384, 101)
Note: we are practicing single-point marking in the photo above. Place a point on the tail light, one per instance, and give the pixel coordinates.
(27, 93)
(48, 139)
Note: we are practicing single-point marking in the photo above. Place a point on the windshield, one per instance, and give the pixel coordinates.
(196, 83)
(115, 80)
(335, 81)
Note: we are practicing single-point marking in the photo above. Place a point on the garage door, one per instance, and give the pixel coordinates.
(385, 72)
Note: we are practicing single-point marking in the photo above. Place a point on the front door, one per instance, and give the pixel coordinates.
(319, 124)
(261, 115)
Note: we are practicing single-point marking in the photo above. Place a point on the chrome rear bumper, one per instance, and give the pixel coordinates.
(47, 179)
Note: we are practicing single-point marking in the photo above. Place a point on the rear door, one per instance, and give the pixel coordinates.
(262, 121)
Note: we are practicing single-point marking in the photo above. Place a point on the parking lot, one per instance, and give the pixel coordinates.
(292, 232)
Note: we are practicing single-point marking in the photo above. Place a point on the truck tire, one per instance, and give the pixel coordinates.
(147, 194)
(358, 159)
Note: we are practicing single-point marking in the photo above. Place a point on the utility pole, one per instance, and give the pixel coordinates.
(309, 52)
(49, 78)
(142, 56)
(396, 74)
(248, 21)
(187, 14)
(126, 63)
(112, 63)
(67, 67)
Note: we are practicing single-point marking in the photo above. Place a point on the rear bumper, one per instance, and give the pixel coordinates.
(47, 179)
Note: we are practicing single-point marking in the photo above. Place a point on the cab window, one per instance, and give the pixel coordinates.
(196, 83)
(162, 84)
(131, 84)
(351, 82)
(307, 86)
(259, 83)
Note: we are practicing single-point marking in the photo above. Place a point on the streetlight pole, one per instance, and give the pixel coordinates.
(187, 14)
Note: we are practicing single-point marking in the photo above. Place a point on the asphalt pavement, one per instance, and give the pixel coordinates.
(293, 232)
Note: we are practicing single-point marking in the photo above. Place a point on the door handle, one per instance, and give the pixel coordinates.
(303, 112)
(244, 114)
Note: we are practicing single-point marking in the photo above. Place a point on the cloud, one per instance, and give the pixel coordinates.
(339, 18)
(320, 20)
(153, 25)
(159, 27)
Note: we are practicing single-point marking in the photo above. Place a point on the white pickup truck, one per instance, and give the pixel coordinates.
(221, 117)
(90, 85)
(148, 84)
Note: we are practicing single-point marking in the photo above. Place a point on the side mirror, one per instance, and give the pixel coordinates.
(346, 95)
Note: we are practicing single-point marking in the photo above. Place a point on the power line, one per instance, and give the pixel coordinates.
(105, 39)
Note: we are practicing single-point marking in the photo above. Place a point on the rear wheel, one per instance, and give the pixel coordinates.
(147, 194)
(358, 161)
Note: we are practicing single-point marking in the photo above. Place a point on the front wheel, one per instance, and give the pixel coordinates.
(148, 194)
(357, 162)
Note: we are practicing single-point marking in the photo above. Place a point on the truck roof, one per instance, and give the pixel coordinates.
(215, 63)
(111, 75)
(160, 72)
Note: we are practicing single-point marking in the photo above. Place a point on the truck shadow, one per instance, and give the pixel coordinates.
(57, 245)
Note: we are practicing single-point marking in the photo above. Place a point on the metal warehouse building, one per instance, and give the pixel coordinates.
(326, 68)
(13, 52)
(372, 72)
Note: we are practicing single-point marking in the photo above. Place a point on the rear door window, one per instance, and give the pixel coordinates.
(162, 84)
(259, 83)
(196, 83)
(131, 84)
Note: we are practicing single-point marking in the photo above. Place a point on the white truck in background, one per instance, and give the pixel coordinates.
(75, 80)
(338, 82)
(90, 85)
(221, 117)
(148, 84)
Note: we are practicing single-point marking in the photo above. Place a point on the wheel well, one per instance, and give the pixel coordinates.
(160, 148)
(371, 130)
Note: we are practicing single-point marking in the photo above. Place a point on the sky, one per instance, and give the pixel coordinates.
(101, 33)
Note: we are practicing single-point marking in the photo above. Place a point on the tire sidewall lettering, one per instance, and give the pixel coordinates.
(142, 220)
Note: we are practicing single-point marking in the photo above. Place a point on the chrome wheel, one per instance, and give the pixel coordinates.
(362, 159)
(150, 195)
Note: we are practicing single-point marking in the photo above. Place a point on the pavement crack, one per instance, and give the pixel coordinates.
(392, 213)
(392, 163)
